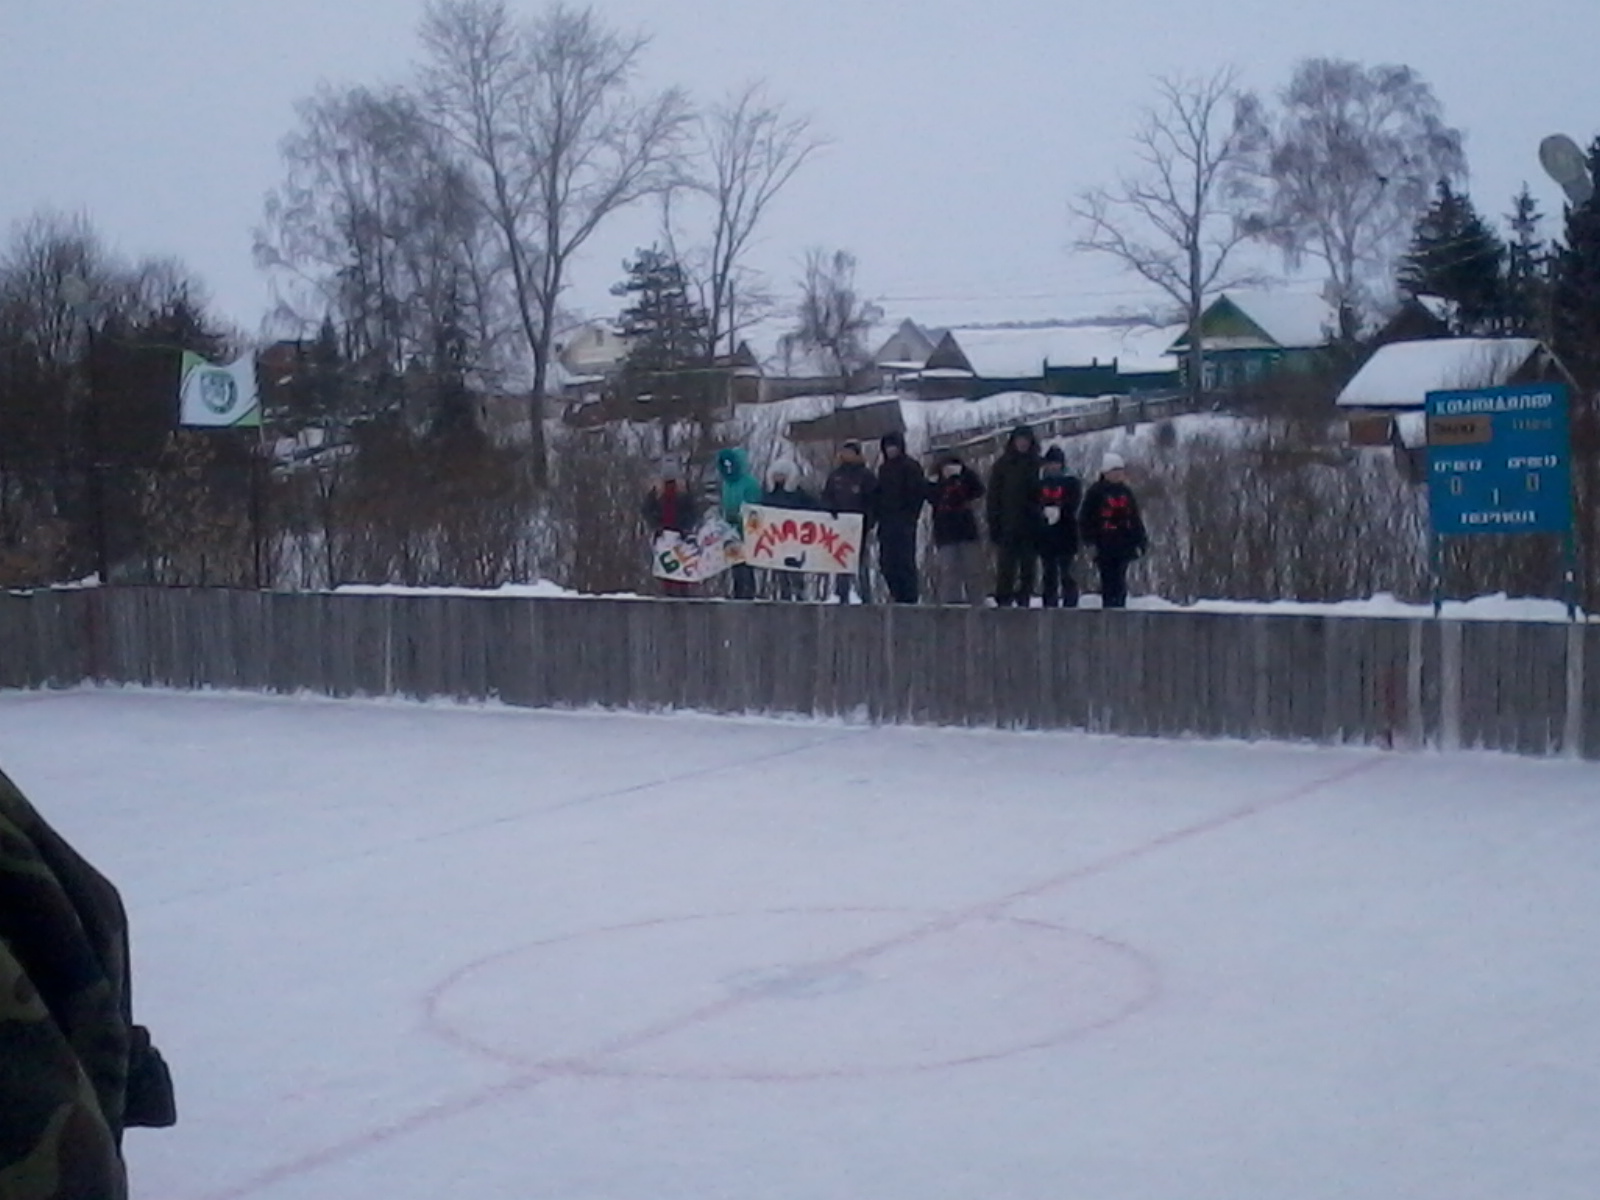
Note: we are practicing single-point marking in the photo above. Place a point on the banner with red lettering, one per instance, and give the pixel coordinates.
(696, 557)
(786, 539)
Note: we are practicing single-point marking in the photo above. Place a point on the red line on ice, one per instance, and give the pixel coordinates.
(589, 1064)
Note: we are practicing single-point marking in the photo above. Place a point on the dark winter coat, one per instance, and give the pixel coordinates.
(1111, 522)
(852, 488)
(74, 1069)
(671, 507)
(1014, 493)
(1064, 492)
(902, 487)
(954, 519)
(788, 497)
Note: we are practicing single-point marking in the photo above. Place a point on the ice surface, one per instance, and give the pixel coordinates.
(419, 951)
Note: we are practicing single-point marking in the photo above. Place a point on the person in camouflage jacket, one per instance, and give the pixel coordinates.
(74, 1069)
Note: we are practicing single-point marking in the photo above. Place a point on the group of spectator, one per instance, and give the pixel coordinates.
(1038, 518)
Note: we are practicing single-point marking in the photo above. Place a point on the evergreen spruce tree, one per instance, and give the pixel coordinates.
(1577, 288)
(1576, 312)
(1457, 257)
(669, 332)
(1527, 294)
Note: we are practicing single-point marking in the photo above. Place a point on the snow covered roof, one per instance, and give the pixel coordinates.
(1291, 320)
(1402, 374)
(1023, 353)
(1294, 320)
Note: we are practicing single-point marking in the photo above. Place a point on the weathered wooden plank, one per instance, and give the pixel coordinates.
(1587, 691)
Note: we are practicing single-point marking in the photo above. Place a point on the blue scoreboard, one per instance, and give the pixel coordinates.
(1500, 460)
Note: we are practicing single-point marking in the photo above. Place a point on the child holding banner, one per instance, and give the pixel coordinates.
(671, 507)
(853, 488)
(784, 491)
(739, 487)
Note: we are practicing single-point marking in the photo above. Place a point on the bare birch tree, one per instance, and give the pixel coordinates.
(1176, 221)
(547, 114)
(749, 148)
(1348, 165)
(376, 226)
(833, 320)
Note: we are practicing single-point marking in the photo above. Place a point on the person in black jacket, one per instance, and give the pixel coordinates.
(957, 548)
(1014, 517)
(853, 488)
(1060, 495)
(1111, 523)
(784, 491)
(902, 492)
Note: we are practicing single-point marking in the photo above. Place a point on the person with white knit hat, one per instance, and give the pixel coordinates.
(1113, 526)
(784, 491)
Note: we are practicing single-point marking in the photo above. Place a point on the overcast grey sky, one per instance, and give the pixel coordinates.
(960, 128)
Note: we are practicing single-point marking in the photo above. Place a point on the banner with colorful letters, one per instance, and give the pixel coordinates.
(696, 557)
(786, 539)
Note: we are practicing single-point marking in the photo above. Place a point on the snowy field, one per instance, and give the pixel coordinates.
(418, 952)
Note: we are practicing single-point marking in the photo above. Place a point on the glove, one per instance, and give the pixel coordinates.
(1052, 514)
(150, 1103)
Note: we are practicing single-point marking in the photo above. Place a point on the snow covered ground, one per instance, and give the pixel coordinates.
(417, 951)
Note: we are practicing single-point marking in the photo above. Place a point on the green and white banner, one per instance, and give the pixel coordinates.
(217, 396)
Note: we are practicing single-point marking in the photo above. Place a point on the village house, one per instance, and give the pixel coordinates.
(1058, 359)
(1384, 405)
(905, 352)
(1247, 336)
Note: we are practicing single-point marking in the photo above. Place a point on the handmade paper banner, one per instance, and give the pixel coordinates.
(693, 558)
(785, 539)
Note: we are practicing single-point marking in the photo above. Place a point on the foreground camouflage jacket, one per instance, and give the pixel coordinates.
(64, 1028)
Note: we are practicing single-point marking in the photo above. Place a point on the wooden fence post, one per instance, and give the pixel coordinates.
(1572, 738)
(1450, 685)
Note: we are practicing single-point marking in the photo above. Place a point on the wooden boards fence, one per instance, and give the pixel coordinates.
(1530, 688)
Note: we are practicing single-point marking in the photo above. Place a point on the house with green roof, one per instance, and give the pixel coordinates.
(1248, 336)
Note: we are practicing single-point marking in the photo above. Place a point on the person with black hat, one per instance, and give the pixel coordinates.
(853, 488)
(902, 493)
(1014, 517)
(1112, 524)
(957, 547)
(1060, 495)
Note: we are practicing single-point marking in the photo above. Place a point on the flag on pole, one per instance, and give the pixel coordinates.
(219, 396)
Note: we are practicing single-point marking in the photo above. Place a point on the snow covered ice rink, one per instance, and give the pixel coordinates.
(410, 951)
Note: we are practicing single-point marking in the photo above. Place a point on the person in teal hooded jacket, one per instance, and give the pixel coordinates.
(739, 487)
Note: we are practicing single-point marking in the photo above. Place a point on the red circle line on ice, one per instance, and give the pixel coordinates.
(522, 1079)
(927, 991)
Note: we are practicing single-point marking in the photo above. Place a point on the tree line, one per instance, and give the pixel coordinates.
(1354, 171)
(422, 240)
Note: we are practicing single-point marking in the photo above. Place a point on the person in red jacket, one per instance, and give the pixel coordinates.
(957, 547)
(1060, 496)
(1112, 524)
(671, 507)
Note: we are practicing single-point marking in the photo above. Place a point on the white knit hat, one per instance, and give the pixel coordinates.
(1112, 462)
